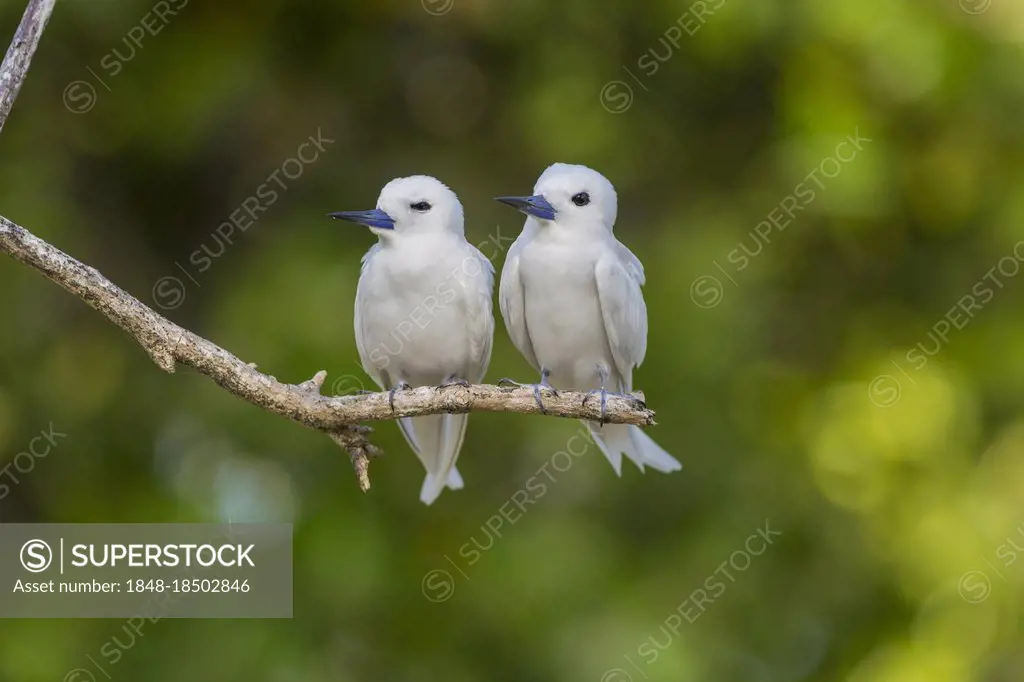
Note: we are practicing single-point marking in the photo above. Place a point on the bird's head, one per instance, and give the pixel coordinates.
(418, 203)
(571, 196)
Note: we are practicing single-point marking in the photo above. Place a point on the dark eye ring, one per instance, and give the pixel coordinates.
(581, 199)
(420, 206)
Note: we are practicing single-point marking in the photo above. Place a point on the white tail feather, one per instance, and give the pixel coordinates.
(436, 440)
(613, 454)
(652, 453)
(615, 440)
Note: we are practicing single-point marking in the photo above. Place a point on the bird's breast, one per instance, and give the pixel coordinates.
(562, 309)
(413, 311)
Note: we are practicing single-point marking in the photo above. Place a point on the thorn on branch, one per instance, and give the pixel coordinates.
(314, 384)
(163, 358)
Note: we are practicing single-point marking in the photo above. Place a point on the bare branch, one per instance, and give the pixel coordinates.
(168, 344)
(338, 416)
(19, 55)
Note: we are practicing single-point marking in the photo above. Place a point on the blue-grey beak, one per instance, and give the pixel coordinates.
(536, 206)
(375, 218)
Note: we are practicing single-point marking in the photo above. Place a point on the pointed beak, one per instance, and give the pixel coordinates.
(536, 206)
(375, 218)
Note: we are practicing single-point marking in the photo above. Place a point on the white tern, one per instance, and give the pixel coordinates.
(423, 312)
(570, 295)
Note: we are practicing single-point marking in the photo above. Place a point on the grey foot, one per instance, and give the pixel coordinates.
(544, 383)
(452, 381)
(400, 386)
(604, 404)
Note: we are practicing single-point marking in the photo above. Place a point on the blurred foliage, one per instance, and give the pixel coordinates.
(799, 396)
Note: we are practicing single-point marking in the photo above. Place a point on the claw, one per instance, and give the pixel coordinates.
(400, 386)
(545, 375)
(454, 382)
(505, 381)
(536, 397)
(604, 403)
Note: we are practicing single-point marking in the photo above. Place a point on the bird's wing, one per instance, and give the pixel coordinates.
(619, 276)
(361, 317)
(632, 263)
(512, 300)
(362, 320)
(480, 317)
(437, 439)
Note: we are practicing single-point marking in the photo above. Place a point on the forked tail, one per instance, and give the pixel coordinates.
(616, 440)
(436, 440)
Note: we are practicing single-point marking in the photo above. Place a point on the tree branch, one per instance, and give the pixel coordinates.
(168, 344)
(19, 55)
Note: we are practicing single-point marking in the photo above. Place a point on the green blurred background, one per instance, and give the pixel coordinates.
(792, 388)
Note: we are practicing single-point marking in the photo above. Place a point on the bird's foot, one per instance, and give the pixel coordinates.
(400, 386)
(536, 392)
(604, 403)
(454, 381)
(536, 389)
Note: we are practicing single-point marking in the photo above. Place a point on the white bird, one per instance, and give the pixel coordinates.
(423, 312)
(570, 295)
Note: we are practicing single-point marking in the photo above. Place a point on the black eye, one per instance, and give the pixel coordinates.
(420, 206)
(581, 199)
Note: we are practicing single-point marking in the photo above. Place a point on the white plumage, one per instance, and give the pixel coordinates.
(423, 313)
(571, 300)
